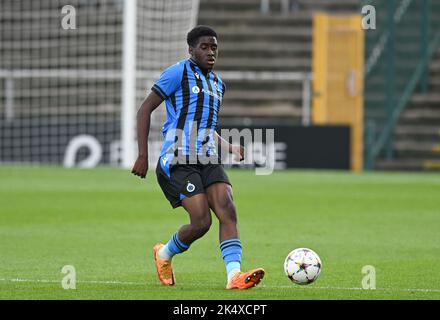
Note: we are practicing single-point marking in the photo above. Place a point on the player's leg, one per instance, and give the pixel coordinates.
(199, 218)
(183, 187)
(200, 222)
(220, 199)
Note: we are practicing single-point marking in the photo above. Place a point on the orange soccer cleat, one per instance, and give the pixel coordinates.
(246, 280)
(164, 268)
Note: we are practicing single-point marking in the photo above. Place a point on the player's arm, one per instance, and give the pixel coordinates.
(236, 150)
(151, 102)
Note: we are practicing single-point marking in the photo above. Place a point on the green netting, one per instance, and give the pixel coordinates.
(397, 55)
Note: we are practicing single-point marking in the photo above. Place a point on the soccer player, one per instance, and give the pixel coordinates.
(193, 94)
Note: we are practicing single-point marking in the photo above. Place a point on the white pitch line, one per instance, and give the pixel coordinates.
(81, 281)
(206, 285)
(357, 289)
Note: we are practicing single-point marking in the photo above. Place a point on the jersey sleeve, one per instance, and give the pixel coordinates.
(221, 87)
(169, 81)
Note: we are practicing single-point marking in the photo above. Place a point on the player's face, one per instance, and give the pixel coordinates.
(205, 53)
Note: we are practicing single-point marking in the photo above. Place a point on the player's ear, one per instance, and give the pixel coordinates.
(190, 51)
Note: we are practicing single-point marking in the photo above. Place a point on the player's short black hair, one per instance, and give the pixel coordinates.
(200, 31)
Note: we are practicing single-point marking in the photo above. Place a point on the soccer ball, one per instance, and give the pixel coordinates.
(302, 266)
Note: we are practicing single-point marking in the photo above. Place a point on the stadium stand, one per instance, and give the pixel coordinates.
(273, 40)
(401, 89)
(72, 79)
(259, 35)
(417, 135)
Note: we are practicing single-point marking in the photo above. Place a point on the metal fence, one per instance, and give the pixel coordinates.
(398, 53)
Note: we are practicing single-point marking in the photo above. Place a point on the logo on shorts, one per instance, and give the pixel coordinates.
(195, 89)
(190, 187)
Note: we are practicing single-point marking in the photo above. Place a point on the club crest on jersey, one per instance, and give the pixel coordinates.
(195, 89)
(190, 187)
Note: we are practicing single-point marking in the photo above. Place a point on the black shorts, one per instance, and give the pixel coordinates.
(187, 180)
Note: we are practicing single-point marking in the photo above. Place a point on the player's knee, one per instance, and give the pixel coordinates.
(228, 213)
(229, 220)
(201, 226)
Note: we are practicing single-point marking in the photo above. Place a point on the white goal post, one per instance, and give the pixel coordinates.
(70, 96)
(74, 72)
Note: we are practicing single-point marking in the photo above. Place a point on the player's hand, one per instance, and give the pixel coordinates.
(140, 167)
(238, 152)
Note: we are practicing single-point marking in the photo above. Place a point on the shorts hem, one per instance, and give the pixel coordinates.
(179, 203)
(212, 182)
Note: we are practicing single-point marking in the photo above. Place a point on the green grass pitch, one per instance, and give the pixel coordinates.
(105, 221)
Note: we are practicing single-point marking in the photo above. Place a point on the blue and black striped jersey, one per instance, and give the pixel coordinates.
(193, 100)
